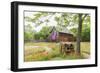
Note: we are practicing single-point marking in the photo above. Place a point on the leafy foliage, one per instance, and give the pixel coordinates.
(28, 32)
(62, 20)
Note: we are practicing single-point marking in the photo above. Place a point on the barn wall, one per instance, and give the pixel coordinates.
(65, 37)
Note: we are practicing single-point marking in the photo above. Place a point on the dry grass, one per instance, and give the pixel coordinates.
(50, 51)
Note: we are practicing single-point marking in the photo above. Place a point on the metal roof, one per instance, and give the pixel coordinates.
(61, 30)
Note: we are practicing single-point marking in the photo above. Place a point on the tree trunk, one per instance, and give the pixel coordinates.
(79, 34)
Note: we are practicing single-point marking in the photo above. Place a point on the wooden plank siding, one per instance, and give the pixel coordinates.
(65, 37)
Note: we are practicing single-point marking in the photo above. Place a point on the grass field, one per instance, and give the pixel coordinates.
(43, 51)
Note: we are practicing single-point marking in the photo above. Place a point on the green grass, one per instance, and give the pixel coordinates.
(41, 54)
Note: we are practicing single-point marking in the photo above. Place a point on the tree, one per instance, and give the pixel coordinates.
(85, 36)
(29, 32)
(62, 20)
(42, 34)
(45, 32)
(85, 32)
(79, 31)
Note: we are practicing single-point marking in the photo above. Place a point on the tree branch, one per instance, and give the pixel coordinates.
(84, 17)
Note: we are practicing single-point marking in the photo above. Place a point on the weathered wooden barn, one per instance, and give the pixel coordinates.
(63, 35)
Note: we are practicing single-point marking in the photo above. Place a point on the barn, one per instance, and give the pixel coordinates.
(63, 35)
